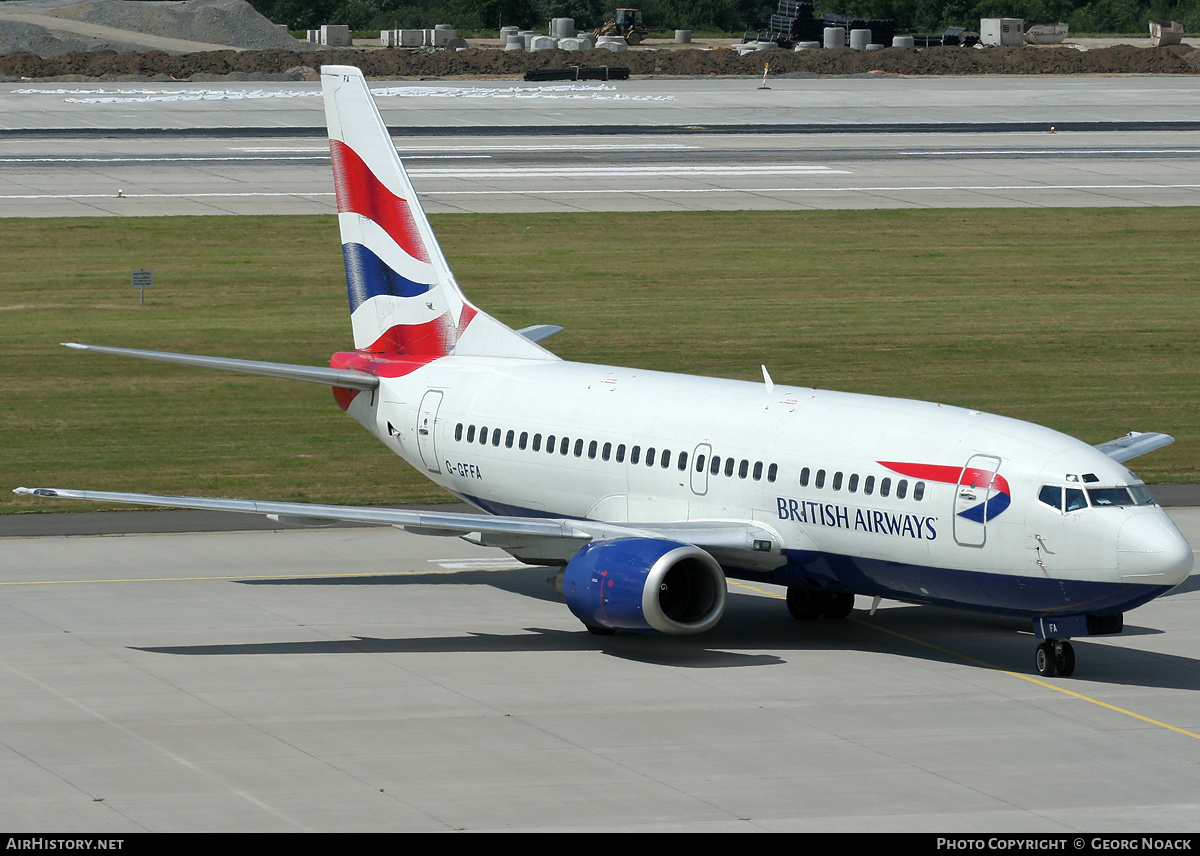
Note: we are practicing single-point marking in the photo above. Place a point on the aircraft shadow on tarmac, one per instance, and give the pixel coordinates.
(753, 623)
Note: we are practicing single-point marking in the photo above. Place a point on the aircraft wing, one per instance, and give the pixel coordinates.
(725, 535)
(1133, 444)
(349, 378)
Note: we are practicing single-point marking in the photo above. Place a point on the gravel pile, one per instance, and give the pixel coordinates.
(232, 23)
(220, 22)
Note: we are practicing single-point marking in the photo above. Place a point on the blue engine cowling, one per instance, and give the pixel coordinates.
(645, 584)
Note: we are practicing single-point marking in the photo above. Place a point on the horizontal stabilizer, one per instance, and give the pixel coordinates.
(1133, 444)
(348, 378)
(540, 332)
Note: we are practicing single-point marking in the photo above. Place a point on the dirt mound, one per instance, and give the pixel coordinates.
(52, 27)
(479, 62)
(219, 22)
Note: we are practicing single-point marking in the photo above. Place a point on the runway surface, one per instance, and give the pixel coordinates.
(366, 679)
(652, 145)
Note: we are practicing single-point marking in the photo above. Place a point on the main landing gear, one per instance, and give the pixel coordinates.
(1055, 656)
(808, 605)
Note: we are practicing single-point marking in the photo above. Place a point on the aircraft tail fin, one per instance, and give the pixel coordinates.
(403, 297)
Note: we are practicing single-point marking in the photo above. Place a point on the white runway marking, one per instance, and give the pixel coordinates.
(608, 172)
(1053, 152)
(898, 189)
(616, 147)
(638, 191)
(219, 158)
(128, 95)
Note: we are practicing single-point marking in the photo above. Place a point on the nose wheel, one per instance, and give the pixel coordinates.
(1055, 656)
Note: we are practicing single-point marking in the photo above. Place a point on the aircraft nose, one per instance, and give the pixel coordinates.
(1151, 550)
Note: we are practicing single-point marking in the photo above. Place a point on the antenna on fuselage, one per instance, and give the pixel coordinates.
(767, 380)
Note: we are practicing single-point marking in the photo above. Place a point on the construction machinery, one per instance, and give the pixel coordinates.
(628, 23)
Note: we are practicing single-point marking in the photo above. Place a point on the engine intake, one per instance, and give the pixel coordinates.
(645, 584)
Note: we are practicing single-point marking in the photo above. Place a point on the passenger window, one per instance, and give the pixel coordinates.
(1051, 495)
(537, 442)
(820, 478)
(729, 465)
(853, 486)
(758, 470)
(564, 445)
(901, 488)
(524, 441)
(579, 448)
(650, 457)
(837, 481)
(665, 460)
(772, 471)
(919, 491)
(682, 461)
(496, 436)
(869, 485)
(885, 487)
(592, 447)
(508, 439)
(621, 453)
(700, 459)
(804, 474)
(606, 452)
(470, 433)
(635, 454)
(743, 469)
(715, 466)
(550, 444)
(458, 429)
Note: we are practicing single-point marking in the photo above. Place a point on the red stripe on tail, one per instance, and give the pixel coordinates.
(360, 192)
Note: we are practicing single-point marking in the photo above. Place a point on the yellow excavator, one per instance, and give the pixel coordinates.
(628, 23)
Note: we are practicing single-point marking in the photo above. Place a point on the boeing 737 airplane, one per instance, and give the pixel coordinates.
(649, 489)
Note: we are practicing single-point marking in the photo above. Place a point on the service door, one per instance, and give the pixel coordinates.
(976, 500)
(426, 425)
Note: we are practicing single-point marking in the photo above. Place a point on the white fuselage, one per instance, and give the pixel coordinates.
(806, 464)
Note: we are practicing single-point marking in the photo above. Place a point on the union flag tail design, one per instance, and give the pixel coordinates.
(403, 297)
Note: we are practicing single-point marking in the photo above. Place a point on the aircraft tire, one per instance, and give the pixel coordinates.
(838, 604)
(804, 604)
(1064, 658)
(1043, 659)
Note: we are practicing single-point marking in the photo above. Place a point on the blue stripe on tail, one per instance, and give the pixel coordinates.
(368, 276)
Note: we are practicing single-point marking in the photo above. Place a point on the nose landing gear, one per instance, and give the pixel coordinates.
(1055, 656)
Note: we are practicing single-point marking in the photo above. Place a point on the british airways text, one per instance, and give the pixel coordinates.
(857, 519)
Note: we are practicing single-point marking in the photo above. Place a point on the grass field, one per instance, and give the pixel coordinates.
(1086, 320)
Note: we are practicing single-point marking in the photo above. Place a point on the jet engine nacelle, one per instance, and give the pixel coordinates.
(645, 584)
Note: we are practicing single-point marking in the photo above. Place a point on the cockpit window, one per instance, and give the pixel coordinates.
(1141, 495)
(1105, 497)
(1073, 499)
(1051, 495)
